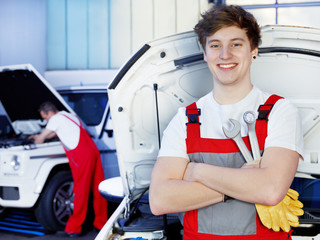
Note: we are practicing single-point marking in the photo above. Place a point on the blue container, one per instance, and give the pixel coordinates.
(309, 190)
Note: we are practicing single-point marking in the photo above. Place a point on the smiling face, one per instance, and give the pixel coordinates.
(229, 56)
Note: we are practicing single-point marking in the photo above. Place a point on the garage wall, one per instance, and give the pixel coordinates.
(98, 34)
(134, 22)
(22, 33)
(77, 34)
(103, 34)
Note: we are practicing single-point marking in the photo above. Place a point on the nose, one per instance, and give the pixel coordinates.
(225, 53)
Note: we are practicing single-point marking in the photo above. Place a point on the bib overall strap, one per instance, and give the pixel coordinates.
(263, 118)
(265, 109)
(193, 124)
(79, 125)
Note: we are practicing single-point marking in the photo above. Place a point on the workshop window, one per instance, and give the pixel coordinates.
(283, 12)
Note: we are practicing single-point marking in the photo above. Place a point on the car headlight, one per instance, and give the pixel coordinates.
(15, 163)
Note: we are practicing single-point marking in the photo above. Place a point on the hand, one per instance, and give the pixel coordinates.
(33, 137)
(253, 164)
(283, 215)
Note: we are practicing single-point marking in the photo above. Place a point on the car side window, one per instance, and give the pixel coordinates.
(89, 106)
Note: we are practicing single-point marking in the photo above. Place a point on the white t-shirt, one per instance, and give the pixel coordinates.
(67, 131)
(284, 126)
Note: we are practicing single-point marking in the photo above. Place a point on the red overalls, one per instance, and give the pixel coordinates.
(87, 173)
(232, 219)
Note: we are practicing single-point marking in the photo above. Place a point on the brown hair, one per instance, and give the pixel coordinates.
(222, 16)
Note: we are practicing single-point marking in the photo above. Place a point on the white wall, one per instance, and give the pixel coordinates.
(129, 24)
(135, 22)
(23, 33)
(132, 23)
(80, 77)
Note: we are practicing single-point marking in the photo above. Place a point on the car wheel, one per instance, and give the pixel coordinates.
(56, 202)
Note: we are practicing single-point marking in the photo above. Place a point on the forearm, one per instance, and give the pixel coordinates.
(169, 192)
(242, 184)
(45, 134)
(51, 135)
(266, 185)
(38, 139)
(172, 196)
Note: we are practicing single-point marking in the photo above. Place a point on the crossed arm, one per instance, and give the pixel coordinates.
(178, 186)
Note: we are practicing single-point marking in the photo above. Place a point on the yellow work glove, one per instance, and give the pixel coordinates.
(283, 215)
(294, 206)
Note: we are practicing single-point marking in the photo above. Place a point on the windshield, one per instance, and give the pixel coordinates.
(5, 126)
(89, 106)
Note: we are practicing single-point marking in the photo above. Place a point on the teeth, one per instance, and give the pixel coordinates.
(226, 65)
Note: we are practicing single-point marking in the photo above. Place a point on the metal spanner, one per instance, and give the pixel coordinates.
(235, 134)
(250, 118)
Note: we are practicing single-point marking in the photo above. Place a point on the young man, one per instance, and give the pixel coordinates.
(198, 169)
(84, 161)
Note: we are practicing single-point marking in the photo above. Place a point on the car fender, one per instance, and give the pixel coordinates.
(44, 171)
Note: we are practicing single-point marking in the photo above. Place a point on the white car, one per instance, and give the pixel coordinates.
(170, 73)
(38, 176)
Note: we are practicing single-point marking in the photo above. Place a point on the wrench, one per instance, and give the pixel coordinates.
(250, 118)
(234, 133)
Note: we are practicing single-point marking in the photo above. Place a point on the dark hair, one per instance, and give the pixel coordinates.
(47, 106)
(222, 16)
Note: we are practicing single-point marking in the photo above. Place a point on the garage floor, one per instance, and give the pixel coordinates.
(12, 236)
(20, 224)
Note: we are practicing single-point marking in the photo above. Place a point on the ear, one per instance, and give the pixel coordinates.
(254, 52)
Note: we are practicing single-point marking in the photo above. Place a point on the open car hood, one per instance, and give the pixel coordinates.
(23, 90)
(169, 73)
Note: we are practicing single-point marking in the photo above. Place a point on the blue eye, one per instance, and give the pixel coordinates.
(214, 46)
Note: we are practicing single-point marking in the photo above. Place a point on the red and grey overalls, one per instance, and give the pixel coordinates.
(233, 219)
(87, 173)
